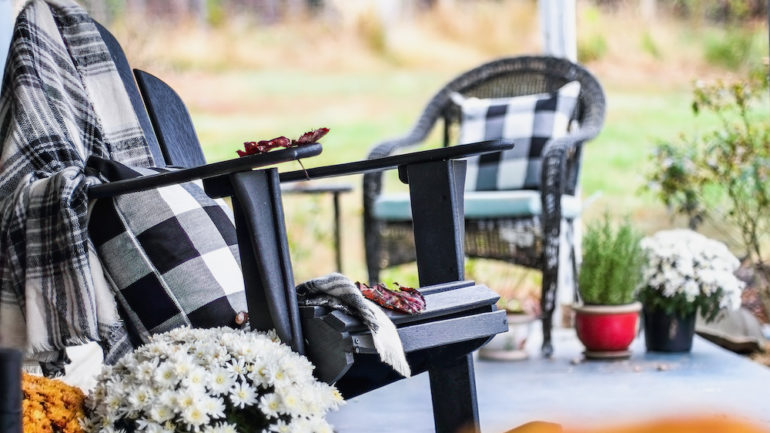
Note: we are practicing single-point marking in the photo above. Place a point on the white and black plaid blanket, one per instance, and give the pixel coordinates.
(62, 101)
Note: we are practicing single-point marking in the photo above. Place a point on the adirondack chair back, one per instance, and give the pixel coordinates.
(267, 276)
(119, 57)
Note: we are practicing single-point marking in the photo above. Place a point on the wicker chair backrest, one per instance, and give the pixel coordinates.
(516, 76)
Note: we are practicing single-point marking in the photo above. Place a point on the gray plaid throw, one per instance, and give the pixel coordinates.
(338, 292)
(62, 101)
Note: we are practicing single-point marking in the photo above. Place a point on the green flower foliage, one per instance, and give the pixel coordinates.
(612, 261)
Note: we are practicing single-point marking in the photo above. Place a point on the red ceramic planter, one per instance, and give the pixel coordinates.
(604, 329)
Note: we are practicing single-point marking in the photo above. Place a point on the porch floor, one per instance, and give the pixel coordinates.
(709, 380)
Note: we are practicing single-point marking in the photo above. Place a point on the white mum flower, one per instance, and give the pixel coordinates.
(270, 405)
(242, 395)
(237, 368)
(161, 413)
(141, 397)
(220, 381)
(280, 427)
(214, 407)
(194, 416)
(196, 378)
(165, 375)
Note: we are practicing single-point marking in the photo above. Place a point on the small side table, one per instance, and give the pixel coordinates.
(335, 190)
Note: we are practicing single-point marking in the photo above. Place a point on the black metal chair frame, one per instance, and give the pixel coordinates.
(389, 243)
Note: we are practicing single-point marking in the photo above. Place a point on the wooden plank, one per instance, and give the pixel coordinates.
(391, 162)
(437, 304)
(440, 333)
(171, 120)
(330, 351)
(203, 172)
(124, 70)
(437, 288)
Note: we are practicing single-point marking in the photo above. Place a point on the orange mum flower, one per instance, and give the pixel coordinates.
(51, 406)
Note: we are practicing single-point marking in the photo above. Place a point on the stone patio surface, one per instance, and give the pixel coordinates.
(709, 380)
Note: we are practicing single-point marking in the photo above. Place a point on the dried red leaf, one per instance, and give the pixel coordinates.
(264, 146)
(403, 299)
(312, 136)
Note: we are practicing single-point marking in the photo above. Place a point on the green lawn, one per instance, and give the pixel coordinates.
(363, 108)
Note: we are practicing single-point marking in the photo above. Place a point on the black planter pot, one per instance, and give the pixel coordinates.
(668, 333)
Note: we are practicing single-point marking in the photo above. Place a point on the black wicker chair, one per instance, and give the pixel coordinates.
(530, 239)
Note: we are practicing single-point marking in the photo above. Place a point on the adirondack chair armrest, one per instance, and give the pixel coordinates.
(459, 312)
(215, 169)
(395, 161)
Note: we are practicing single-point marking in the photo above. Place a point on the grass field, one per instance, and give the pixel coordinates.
(246, 82)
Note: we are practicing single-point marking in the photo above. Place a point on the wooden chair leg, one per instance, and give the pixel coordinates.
(436, 191)
(453, 392)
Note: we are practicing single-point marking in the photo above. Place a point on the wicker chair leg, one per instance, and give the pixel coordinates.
(547, 305)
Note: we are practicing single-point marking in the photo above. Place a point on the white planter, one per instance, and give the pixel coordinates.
(510, 346)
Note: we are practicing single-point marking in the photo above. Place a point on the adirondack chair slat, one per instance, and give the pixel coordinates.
(435, 334)
(119, 57)
(437, 304)
(177, 137)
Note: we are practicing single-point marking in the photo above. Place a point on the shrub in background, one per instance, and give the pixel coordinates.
(723, 174)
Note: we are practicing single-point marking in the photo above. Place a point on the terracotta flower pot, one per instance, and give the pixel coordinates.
(607, 330)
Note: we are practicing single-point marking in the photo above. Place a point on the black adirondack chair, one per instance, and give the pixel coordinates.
(460, 317)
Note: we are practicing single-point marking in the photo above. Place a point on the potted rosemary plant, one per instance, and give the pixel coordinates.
(607, 316)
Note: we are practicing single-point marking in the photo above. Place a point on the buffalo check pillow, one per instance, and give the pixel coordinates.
(170, 253)
(530, 121)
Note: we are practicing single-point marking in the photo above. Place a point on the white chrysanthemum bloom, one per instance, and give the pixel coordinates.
(214, 407)
(270, 405)
(260, 373)
(188, 380)
(237, 368)
(161, 413)
(186, 398)
(168, 398)
(300, 425)
(146, 370)
(319, 425)
(292, 403)
(280, 427)
(141, 397)
(166, 375)
(183, 364)
(220, 381)
(196, 378)
(195, 416)
(685, 263)
(242, 395)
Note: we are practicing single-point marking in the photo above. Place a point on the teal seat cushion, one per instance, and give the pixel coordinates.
(479, 205)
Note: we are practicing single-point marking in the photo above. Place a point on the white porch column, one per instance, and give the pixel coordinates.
(558, 22)
(6, 30)
(558, 28)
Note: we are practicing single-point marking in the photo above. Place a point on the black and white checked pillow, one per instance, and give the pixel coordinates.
(171, 254)
(529, 121)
